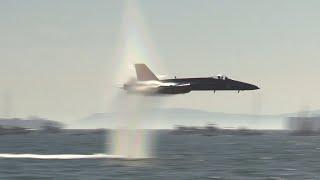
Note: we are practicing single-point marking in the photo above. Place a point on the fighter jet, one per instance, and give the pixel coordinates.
(149, 84)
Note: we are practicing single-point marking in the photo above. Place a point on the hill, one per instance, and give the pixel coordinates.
(165, 118)
(30, 123)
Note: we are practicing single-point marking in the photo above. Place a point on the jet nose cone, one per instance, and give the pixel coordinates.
(254, 87)
(247, 86)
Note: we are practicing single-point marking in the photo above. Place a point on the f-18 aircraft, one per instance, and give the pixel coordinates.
(149, 84)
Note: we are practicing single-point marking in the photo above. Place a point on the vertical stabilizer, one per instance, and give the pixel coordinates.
(144, 73)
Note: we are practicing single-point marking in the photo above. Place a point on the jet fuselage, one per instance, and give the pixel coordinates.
(148, 84)
(213, 83)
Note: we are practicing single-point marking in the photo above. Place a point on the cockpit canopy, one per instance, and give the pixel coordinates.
(220, 76)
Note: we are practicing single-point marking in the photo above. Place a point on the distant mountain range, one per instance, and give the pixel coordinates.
(165, 118)
(29, 123)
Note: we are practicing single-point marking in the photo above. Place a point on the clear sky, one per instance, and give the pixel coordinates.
(59, 59)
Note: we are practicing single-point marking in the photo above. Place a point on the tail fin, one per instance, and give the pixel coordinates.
(144, 73)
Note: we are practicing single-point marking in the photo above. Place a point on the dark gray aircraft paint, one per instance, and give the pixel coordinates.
(148, 84)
